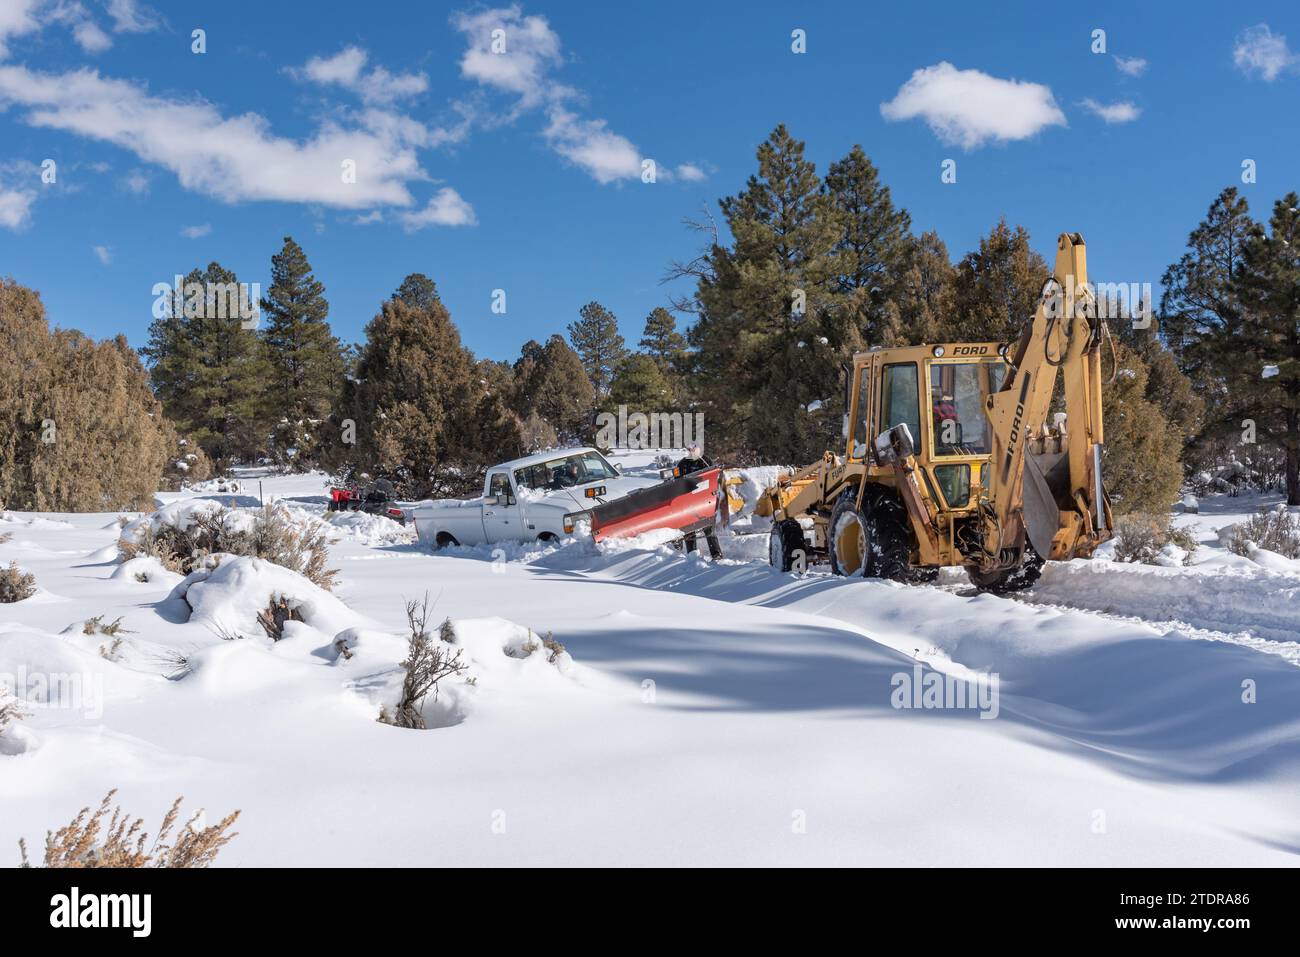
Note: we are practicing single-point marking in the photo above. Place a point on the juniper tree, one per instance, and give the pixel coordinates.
(996, 288)
(551, 382)
(305, 358)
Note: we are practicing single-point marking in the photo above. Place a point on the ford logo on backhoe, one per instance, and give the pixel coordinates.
(970, 350)
(1015, 427)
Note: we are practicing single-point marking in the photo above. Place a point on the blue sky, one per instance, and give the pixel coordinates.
(521, 169)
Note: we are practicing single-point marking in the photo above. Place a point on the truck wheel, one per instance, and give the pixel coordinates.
(851, 539)
(785, 539)
(1010, 579)
(444, 539)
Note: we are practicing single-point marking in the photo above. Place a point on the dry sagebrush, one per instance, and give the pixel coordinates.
(109, 838)
(1141, 537)
(275, 536)
(426, 664)
(1275, 529)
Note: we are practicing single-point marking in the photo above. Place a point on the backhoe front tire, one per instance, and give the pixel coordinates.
(783, 543)
(874, 541)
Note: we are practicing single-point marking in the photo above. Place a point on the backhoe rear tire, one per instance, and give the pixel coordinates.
(784, 542)
(1010, 579)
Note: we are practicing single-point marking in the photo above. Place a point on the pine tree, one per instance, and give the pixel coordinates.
(305, 358)
(1199, 307)
(1142, 455)
(1264, 380)
(872, 249)
(661, 340)
(418, 291)
(596, 340)
(210, 371)
(769, 339)
(996, 288)
(921, 303)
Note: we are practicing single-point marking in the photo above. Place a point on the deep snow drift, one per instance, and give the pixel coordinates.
(702, 713)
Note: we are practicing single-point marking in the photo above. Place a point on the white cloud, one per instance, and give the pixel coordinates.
(231, 158)
(103, 254)
(516, 54)
(1122, 112)
(446, 208)
(197, 232)
(17, 17)
(137, 181)
(15, 207)
(531, 49)
(968, 108)
(1131, 65)
(691, 172)
(347, 69)
(589, 144)
(1261, 52)
(131, 17)
(90, 37)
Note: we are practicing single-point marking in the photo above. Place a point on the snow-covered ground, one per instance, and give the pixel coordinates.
(703, 713)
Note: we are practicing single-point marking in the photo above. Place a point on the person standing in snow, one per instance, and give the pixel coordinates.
(696, 462)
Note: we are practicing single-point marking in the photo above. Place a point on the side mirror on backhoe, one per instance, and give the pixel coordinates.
(895, 444)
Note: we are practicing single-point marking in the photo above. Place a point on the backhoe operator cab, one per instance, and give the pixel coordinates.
(948, 459)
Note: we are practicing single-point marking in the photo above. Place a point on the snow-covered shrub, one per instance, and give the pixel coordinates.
(1274, 529)
(92, 625)
(10, 711)
(183, 539)
(1152, 540)
(16, 584)
(274, 615)
(427, 662)
(105, 839)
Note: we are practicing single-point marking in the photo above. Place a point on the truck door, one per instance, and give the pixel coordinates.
(501, 519)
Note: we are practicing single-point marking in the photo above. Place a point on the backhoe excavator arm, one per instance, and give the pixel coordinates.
(1048, 487)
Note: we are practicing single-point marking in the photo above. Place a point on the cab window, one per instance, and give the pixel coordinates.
(861, 414)
(500, 487)
(958, 392)
(899, 403)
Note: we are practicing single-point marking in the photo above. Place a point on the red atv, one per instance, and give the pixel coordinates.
(376, 499)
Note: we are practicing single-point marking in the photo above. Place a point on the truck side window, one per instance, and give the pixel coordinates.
(500, 487)
(899, 400)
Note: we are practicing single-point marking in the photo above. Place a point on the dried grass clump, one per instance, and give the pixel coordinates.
(425, 665)
(1142, 537)
(96, 624)
(109, 838)
(274, 536)
(1275, 529)
(16, 584)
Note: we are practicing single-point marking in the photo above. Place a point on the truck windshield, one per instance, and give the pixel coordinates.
(958, 391)
(564, 472)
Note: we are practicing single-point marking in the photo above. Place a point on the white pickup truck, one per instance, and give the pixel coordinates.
(526, 499)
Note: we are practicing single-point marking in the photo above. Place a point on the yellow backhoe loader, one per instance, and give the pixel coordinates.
(949, 459)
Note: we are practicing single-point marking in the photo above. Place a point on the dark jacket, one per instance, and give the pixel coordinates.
(688, 465)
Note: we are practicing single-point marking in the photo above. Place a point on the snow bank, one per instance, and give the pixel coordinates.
(368, 529)
(227, 598)
(1257, 601)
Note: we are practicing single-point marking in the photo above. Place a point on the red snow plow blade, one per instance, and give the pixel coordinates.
(689, 503)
